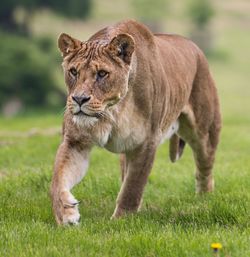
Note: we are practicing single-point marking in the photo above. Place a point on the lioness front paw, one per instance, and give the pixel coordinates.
(65, 208)
(71, 216)
(120, 212)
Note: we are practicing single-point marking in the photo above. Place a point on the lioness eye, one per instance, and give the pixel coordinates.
(102, 73)
(73, 71)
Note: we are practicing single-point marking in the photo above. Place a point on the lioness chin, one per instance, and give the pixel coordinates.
(128, 90)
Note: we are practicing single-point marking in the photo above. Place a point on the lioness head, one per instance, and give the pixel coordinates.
(96, 74)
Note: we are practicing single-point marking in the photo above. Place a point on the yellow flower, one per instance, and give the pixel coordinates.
(216, 246)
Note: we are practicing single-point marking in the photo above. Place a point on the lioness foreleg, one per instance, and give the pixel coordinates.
(70, 167)
(123, 165)
(138, 167)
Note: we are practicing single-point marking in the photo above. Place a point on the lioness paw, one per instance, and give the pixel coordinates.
(71, 216)
(204, 185)
(65, 208)
(118, 213)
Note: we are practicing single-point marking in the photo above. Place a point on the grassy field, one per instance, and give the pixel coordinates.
(173, 220)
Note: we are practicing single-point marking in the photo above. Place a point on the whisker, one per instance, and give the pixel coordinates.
(108, 117)
(62, 112)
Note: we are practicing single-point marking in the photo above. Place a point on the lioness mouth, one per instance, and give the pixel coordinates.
(80, 113)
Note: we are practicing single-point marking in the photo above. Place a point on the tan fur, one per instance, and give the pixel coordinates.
(155, 83)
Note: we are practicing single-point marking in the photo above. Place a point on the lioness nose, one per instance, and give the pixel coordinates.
(81, 99)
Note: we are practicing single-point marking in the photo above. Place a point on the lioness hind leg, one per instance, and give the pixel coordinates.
(204, 146)
(204, 158)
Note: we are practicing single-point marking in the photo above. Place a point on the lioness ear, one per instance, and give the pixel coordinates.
(123, 46)
(67, 44)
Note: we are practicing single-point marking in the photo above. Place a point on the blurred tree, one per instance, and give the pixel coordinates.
(151, 12)
(27, 66)
(6, 15)
(201, 13)
(69, 8)
(26, 73)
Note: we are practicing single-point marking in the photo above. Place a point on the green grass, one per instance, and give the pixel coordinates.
(173, 220)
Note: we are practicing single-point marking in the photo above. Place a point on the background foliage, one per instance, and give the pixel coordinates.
(26, 71)
(30, 60)
(173, 220)
(28, 63)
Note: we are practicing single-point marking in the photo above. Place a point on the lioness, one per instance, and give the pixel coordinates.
(128, 90)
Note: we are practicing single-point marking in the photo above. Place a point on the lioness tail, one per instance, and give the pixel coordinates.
(176, 147)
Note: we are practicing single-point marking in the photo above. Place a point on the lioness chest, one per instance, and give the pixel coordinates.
(124, 135)
(128, 135)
